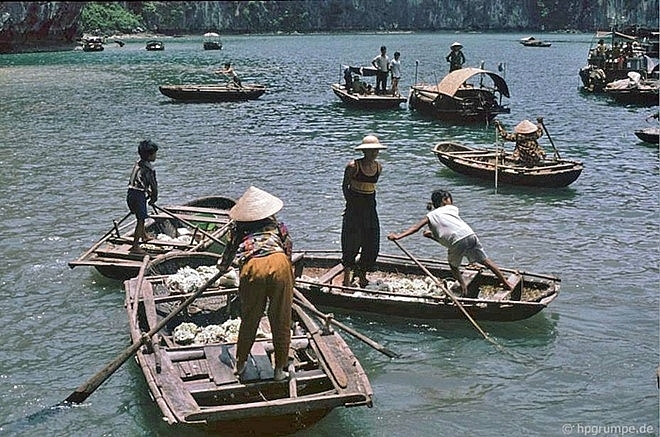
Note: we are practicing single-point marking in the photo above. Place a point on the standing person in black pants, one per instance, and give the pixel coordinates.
(382, 65)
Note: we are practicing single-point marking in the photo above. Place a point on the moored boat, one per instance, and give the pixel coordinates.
(212, 41)
(614, 54)
(457, 100)
(188, 366)
(212, 93)
(356, 93)
(155, 46)
(634, 90)
(530, 41)
(649, 135)
(195, 228)
(398, 287)
(484, 163)
(93, 44)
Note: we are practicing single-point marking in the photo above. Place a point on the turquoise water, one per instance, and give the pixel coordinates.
(70, 123)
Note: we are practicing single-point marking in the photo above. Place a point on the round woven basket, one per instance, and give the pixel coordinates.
(170, 263)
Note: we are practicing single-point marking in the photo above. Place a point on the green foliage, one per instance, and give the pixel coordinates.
(108, 17)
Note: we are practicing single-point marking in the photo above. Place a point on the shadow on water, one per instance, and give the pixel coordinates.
(22, 425)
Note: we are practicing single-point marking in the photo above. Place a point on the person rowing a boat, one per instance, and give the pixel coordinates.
(261, 247)
(528, 151)
(228, 71)
(447, 228)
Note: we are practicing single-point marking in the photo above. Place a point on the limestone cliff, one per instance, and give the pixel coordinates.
(38, 26)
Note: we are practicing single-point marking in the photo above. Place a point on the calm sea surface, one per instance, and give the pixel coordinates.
(69, 127)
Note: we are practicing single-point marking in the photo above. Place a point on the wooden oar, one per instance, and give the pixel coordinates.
(305, 303)
(549, 138)
(447, 292)
(86, 389)
(218, 232)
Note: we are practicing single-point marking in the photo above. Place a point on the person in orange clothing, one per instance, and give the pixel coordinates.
(261, 247)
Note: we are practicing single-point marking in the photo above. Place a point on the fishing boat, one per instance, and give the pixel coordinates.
(197, 225)
(486, 163)
(155, 45)
(212, 41)
(212, 93)
(188, 365)
(458, 98)
(634, 90)
(357, 93)
(399, 287)
(614, 54)
(93, 44)
(649, 135)
(530, 41)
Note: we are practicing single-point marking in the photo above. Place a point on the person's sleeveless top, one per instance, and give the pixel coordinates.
(361, 183)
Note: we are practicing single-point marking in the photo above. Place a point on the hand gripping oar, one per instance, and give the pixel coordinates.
(447, 292)
(86, 389)
(305, 303)
(220, 231)
(540, 120)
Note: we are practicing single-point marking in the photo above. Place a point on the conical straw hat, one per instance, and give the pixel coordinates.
(456, 44)
(370, 142)
(525, 127)
(255, 204)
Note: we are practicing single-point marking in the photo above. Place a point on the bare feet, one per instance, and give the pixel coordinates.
(240, 368)
(280, 375)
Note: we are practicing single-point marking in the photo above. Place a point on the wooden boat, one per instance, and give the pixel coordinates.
(194, 385)
(456, 100)
(111, 255)
(212, 41)
(634, 90)
(155, 45)
(482, 163)
(602, 69)
(649, 135)
(530, 41)
(356, 93)
(93, 44)
(398, 287)
(212, 93)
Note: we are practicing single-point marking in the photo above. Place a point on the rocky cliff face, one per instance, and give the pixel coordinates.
(38, 26)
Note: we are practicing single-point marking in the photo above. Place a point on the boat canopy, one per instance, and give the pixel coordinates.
(453, 81)
(362, 71)
(211, 35)
(604, 34)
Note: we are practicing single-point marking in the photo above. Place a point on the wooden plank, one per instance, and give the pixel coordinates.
(197, 209)
(516, 281)
(192, 218)
(221, 371)
(261, 360)
(174, 391)
(331, 274)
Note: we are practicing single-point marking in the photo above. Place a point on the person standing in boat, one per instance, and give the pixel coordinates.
(447, 228)
(382, 64)
(360, 231)
(395, 70)
(142, 186)
(228, 71)
(456, 58)
(528, 151)
(261, 246)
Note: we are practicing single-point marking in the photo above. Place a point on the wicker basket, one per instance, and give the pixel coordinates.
(170, 263)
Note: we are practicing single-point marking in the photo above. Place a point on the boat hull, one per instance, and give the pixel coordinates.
(212, 93)
(367, 101)
(319, 278)
(466, 110)
(650, 135)
(634, 96)
(194, 384)
(481, 163)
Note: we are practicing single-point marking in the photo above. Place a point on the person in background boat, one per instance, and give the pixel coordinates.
(360, 86)
(261, 246)
(395, 70)
(382, 64)
(600, 53)
(528, 151)
(142, 185)
(348, 80)
(447, 228)
(228, 71)
(360, 232)
(456, 58)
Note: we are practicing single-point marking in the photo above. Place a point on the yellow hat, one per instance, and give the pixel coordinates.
(255, 204)
(370, 142)
(525, 127)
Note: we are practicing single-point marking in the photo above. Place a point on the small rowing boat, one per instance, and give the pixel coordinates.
(399, 287)
(188, 365)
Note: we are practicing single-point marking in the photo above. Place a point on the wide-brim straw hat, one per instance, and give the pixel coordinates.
(255, 204)
(370, 142)
(456, 44)
(525, 127)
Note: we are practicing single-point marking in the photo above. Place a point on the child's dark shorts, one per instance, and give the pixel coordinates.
(137, 203)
